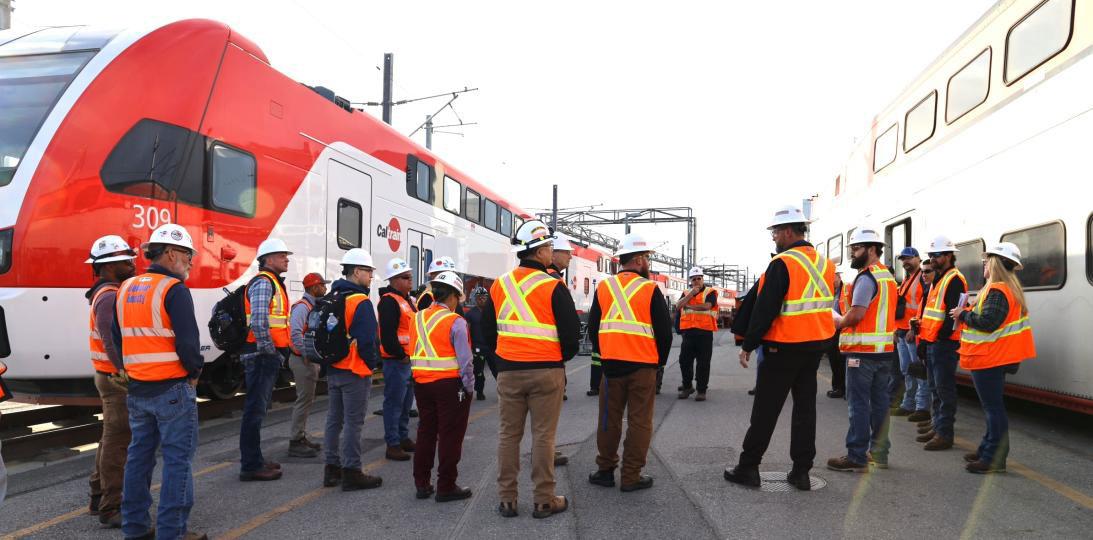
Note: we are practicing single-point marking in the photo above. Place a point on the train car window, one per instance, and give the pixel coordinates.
(835, 249)
(453, 195)
(1039, 36)
(1088, 249)
(920, 122)
(970, 262)
(472, 205)
(489, 215)
(349, 224)
(1043, 255)
(586, 285)
(154, 159)
(234, 181)
(884, 149)
(896, 236)
(428, 258)
(415, 264)
(506, 222)
(517, 221)
(968, 88)
(419, 179)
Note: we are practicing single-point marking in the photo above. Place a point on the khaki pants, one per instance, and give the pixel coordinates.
(539, 392)
(636, 393)
(305, 375)
(109, 473)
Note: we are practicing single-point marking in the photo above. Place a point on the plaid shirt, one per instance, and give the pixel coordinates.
(260, 293)
(993, 314)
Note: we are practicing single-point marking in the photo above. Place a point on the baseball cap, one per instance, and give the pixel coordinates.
(908, 252)
(314, 278)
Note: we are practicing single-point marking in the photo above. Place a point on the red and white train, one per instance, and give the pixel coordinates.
(116, 132)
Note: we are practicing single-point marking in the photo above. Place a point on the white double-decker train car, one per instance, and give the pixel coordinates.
(990, 143)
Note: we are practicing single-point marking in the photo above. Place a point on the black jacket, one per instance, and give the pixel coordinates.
(662, 332)
(768, 306)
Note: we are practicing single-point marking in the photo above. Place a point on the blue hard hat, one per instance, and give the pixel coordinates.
(908, 252)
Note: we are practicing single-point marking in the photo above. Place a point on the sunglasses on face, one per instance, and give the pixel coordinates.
(189, 255)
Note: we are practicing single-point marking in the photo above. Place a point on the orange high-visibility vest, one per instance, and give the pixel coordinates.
(310, 307)
(433, 357)
(911, 292)
(526, 330)
(1010, 343)
(933, 313)
(806, 308)
(845, 296)
(554, 273)
(99, 359)
(147, 337)
(875, 332)
(405, 321)
(696, 316)
(626, 320)
(353, 362)
(5, 394)
(278, 314)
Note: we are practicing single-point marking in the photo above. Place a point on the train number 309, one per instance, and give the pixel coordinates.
(150, 216)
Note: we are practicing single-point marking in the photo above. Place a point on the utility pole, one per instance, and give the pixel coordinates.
(429, 131)
(388, 77)
(554, 210)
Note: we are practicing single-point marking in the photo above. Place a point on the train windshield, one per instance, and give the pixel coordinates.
(29, 88)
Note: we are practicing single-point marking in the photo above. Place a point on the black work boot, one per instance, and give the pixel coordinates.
(602, 478)
(332, 475)
(745, 476)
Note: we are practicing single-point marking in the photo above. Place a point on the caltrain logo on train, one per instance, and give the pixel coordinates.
(392, 232)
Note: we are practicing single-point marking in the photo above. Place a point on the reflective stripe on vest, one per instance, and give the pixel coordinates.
(147, 337)
(806, 309)
(874, 333)
(933, 313)
(626, 324)
(696, 317)
(525, 318)
(432, 347)
(278, 313)
(99, 359)
(1010, 343)
(406, 317)
(911, 292)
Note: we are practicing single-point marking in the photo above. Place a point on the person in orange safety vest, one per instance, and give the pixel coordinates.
(396, 316)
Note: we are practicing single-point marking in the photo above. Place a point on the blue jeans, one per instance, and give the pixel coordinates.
(867, 398)
(943, 360)
(168, 422)
(347, 401)
(398, 398)
(261, 373)
(989, 384)
(917, 394)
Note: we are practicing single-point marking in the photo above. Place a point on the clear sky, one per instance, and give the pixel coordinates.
(733, 108)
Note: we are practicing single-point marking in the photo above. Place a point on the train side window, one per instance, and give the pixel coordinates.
(419, 179)
(1038, 37)
(897, 236)
(153, 159)
(884, 149)
(506, 223)
(1043, 255)
(234, 180)
(415, 264)
(349, 224)
(968, 87)
(489, 218)
(453, 194)
(472, 205)
(428, 258)
(586, 285)
(835, 249)
(970, 262)
(920, 122)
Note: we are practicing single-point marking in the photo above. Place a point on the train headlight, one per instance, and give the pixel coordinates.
(5, 249)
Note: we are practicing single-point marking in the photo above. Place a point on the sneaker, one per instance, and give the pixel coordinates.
(925, 437)
(745, 476)
(701, 396)
(845, 464)
(878, 463)
(602, 478)
(300, 448)
(592, 393)
(332, 475)
(938, 443)
(396, 453)
(354, 479)
(980, 467)
(261, 475)
(407, 445)
(799, 480)
(459, 494)
(560, 460)
(644, 482)
(902, 412)
(971, 457)
(557, 506)
(918, 416)
(686, 393)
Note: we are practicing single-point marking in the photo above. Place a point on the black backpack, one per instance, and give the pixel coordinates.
(228, 324)
(326, 340)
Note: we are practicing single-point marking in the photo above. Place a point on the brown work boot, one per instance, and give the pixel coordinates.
(926, 437)
(701, 396)
(557, 506)
(918, 416)
(845, 464)
(559, 459)
(300, 448)
(396, 453)
(332, 475)
(938, 443)
(261, 475)
(354, 479)
(93, 506)
(902, 412)
(110, 518)
(407, 445)
(925, 423)
(686, 393)
(971, 457)
(271, 466)
(980, 467)
(925, 429)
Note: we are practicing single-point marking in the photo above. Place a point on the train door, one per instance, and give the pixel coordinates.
(420, 255)
(349, 205)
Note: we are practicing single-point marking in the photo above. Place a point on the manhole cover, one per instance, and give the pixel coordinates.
(774, 481)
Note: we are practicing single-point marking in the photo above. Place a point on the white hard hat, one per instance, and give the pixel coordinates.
(442, 264)
(171, 234)
(357, 257)
(451, 279)
(532, 234)
(786, 215)
(110, 248)
(865, 234)
(695, 272)
(942, 244)
(272, 245)
(395, 267)
(633, 243)
(561, 242)
(1007, 250)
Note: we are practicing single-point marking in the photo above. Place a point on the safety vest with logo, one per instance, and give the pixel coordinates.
(147, 336)
(353, 362)
(5, 394)
(911, 292)
(526, 330)
(626, 320)
(433, 357)
(278, 314)
(933, 314)
(1010, 343)
(806, 308)
(875, 332)
(99, 359)
(310, 307)
(406, 316)
(696, 314)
